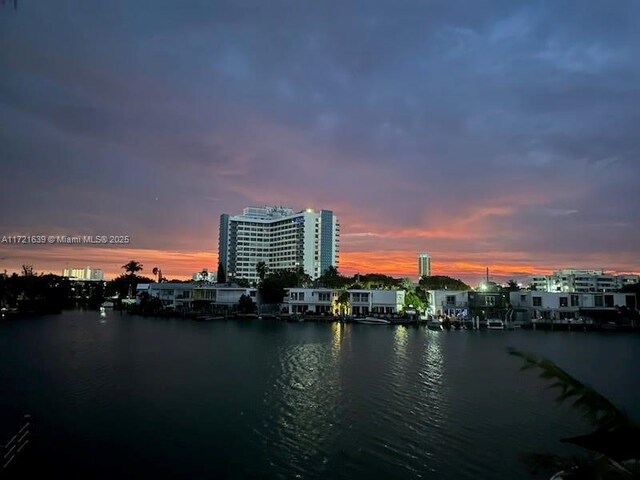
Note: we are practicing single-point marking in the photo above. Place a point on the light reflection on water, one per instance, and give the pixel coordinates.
(400, 341)
(304, 398)
(266, 400)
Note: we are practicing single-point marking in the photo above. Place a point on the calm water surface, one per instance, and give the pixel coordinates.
(141, 397)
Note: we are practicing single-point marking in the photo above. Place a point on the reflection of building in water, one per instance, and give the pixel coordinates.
(307, 393)
(433, 362)
(400, 343)
(341, 333)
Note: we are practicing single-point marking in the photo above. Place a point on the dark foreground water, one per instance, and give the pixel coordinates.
(156, 398)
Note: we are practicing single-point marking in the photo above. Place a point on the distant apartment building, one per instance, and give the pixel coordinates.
(582, 281)
(279, 237)
(83, 273)
(204, 276)
(558, 306)
(424, 265)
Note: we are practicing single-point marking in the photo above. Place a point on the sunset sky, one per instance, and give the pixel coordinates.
(496, 134)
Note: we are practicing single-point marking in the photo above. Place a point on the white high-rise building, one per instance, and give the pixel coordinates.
(424, 265)
(83, 273)
(279, 237)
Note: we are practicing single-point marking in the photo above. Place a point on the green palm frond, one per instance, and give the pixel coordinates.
(549, 463)
(601, 412)
(596, 467)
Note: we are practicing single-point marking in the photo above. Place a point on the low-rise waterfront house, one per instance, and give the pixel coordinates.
(327, 301)
(488, 305)
(218, 298)
(467, 303)
(314, 300)
(196, 296)
(565, 307)
(175, 296)
(448, 302)
(388, 302)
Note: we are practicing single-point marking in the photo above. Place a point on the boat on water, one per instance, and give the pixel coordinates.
(434, 324)
(6, 312)
(372, 321)
(495, 324)
(107, 304)
(208, 318)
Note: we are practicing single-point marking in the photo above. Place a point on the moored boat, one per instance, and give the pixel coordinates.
(208, 318)
(609, 326)
(434, 324)
(495, 324)
(372, 321)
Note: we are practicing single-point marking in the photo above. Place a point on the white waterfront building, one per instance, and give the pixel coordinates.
(83, 273)
(182, 296)
(559, 306)
(448, 302)
(360, 302)
(279, 237)
(582, 281)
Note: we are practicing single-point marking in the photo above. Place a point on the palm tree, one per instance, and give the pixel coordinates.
(615, 442)
(342, 302)
(132, 267)
(261, 269)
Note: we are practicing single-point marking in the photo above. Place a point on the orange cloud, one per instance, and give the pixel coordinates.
(174, 264)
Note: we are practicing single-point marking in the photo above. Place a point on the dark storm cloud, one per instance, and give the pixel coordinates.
(492, 120)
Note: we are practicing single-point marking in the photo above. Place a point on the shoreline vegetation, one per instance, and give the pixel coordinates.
(29, 293)
(610, 451)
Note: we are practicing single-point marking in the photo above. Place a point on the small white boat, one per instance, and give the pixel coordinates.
(495, 324)
(434, 324)
(372, 321)
(103, 315)
(107, 304)
(209, 318)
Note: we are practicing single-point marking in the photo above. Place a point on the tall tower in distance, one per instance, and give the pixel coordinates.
(424, 265)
